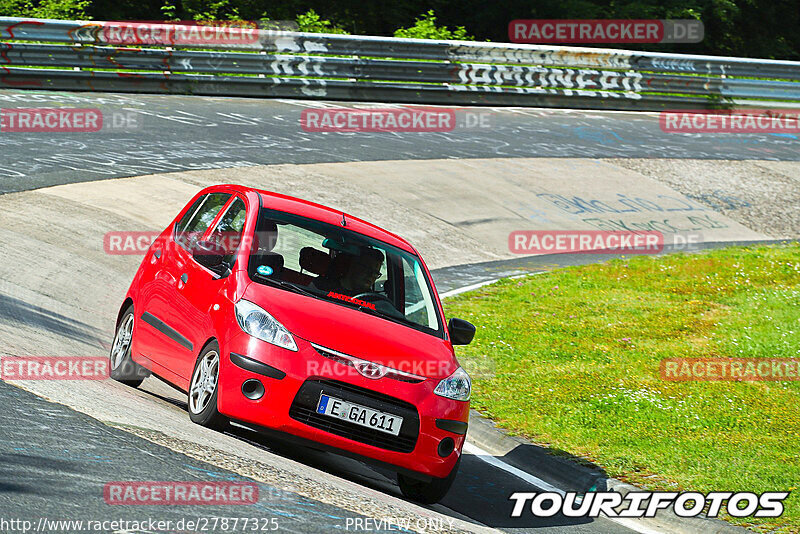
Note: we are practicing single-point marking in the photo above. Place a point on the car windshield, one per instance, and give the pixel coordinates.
(344, 267)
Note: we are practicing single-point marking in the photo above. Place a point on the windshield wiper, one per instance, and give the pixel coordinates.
(288, 285)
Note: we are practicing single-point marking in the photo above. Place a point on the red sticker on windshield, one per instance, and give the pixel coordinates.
(360, 302)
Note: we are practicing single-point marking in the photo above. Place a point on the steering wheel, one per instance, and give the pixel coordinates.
(373, 295)
(383, 303)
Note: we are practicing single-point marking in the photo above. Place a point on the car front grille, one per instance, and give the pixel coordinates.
(304, 407)
(349, 361)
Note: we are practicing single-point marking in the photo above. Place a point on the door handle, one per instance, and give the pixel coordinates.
(184, 278)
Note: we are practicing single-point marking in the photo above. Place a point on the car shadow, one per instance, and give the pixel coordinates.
(44, 475)
(13, 310)
(480, 492)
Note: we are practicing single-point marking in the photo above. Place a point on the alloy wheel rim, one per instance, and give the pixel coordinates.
(122, 342)
(204, 382)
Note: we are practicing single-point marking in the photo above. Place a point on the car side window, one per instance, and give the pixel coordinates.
(189, 234)
(228, 232)
(419, 306)
(181, 226)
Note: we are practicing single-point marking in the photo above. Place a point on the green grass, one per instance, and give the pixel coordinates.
(570, 359)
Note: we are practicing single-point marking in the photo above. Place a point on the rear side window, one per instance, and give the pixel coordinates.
(200, 219)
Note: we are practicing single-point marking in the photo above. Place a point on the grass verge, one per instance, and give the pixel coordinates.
(570, 359)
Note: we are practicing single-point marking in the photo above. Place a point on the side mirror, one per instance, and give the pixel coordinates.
(461, 331)
(211, 256)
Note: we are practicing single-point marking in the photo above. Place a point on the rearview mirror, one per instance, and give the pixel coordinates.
(211, 256)
(461, 331)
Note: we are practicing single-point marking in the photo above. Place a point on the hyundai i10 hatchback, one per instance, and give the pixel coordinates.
(284, 314)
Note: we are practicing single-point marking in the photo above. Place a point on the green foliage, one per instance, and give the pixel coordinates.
(311, 22)
(425, 28)
(747, 28)
(169, 10)
(210, 9)
(45, 9)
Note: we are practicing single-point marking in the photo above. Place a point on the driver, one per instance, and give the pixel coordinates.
(360, 275)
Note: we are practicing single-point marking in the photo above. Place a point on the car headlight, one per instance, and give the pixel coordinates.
(457, 386)
(258, 323)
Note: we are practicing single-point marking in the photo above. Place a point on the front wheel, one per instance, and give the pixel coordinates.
(427, 492)
(203, 389)
(122, 367)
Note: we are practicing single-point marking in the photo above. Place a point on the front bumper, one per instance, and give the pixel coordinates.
(288, 403)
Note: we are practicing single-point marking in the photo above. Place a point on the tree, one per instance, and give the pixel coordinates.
(45, 9)
(425, 28)
(312, 23)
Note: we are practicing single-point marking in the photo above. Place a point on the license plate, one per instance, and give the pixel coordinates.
(359, 415)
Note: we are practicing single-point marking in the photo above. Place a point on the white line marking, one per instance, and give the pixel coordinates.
(500, 464)
(481, 284)
(466, 288)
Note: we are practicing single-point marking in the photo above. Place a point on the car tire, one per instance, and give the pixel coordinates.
(203, 389)
(427, 492)
(122, 368)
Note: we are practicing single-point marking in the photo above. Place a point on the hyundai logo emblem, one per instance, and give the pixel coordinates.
(370, 370)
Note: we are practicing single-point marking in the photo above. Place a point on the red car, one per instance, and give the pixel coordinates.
(285, 314)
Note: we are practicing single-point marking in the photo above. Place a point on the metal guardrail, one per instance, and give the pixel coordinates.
(89, 57)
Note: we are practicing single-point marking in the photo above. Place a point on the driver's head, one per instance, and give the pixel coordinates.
(363, 270)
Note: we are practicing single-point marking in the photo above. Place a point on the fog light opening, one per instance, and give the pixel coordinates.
(253, 389)
(446, 447)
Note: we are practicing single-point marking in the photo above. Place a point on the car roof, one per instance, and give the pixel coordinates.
(315, 211)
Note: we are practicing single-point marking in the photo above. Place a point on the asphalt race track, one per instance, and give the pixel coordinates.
(145, 134)
(60, 442)
(64, 456)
